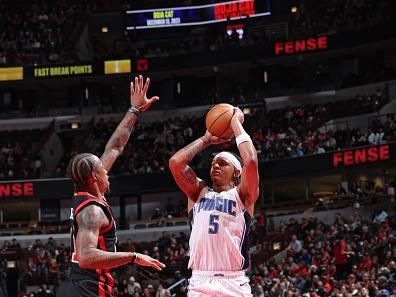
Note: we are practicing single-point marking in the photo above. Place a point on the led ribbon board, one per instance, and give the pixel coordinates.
(196, 15)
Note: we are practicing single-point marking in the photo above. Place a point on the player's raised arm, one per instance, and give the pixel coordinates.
(119, 139)
(249, 185)
(183, 174)
(90, 220)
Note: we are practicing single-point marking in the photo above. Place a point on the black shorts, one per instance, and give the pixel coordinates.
(84, 288)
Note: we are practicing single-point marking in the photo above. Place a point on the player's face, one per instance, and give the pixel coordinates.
(102, 178)
(221, 171)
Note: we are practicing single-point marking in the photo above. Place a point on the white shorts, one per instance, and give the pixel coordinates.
(219, 284)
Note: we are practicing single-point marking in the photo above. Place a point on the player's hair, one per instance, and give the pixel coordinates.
(79, 169)
(237, 179)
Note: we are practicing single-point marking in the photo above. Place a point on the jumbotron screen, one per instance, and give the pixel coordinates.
(196, 15)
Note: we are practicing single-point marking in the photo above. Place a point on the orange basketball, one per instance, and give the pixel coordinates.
(218, 119)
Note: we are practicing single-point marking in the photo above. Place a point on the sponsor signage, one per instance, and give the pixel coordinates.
(11, 73)
(142, 64)
(62, 71)
(361, 156)
(224, 11)
(16, 189)
(117, 66)
(196, 15)
(291, 47)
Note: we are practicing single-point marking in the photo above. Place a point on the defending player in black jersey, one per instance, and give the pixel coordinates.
(93, 231)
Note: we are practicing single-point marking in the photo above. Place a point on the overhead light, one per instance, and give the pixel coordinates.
(178, 87)
(105, 29)
(265, 77)
(293, 9)
(246, 110)
(276, 246)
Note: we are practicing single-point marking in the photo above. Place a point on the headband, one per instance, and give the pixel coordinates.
(230, 157)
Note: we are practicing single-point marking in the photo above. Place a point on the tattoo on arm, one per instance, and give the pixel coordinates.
(118, 140)
(189, 183)
(191, 150)
(92, 218)
(189, 175)
(90, 221)
(182, 173)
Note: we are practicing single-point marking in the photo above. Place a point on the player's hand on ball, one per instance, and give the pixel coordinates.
(139, 94)
(238, 115)
(144, 260)
(216, 140)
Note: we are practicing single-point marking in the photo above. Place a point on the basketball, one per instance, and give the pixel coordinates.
(218, 120)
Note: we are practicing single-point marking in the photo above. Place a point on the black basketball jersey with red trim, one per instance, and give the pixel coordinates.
(101, 281)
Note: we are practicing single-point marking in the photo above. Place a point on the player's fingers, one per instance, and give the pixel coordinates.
(141, 82)
(160, 264)
(156, 266)
(132, 89)
(149, 102)
(146, 85)
(238, 110)
(136, 84)
(153, 99)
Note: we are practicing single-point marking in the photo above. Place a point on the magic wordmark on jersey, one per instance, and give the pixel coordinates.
(220, 204)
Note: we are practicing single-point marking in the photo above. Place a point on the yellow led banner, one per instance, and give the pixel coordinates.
(11, 73)
(117, 66)
(63, 70)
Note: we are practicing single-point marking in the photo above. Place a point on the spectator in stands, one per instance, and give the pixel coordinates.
(45, 291)
(133, 286)
(287, 132)
(295, 247)
(162, 292)
(3, 278)
(157, 214)
(261, 224)
(341, 257)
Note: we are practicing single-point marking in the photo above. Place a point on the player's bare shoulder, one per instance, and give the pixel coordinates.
(92, 217)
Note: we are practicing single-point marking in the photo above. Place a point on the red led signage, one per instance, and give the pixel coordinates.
(233, 10)
(361, 156)
(16, 190)
(142, 64)
(301, 46)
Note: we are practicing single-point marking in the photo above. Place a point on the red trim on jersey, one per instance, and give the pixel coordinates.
(74, 258)
(110, 279)
(74, 254)
(107, 228)
(102, 202)
(101, 289)
(82, 205)
(84, 194)
(88, 201)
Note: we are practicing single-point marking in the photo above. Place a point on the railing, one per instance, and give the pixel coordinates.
(382, 118)
(277, 31)
(272, 244)
(340, 125)
(329, 202)
(183, 281)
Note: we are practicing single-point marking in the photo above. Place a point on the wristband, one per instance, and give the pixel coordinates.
(134, 258)
(134, 110)
(244, 137)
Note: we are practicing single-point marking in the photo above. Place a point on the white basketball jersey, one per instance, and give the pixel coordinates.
(220, 226)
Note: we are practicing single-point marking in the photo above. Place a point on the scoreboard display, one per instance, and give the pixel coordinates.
(196, 15)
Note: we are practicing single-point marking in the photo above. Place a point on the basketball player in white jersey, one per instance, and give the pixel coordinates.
(221, 214)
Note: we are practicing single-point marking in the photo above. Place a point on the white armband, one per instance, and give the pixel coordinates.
(243, 138)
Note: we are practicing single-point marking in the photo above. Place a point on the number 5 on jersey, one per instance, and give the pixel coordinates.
(214, 224)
